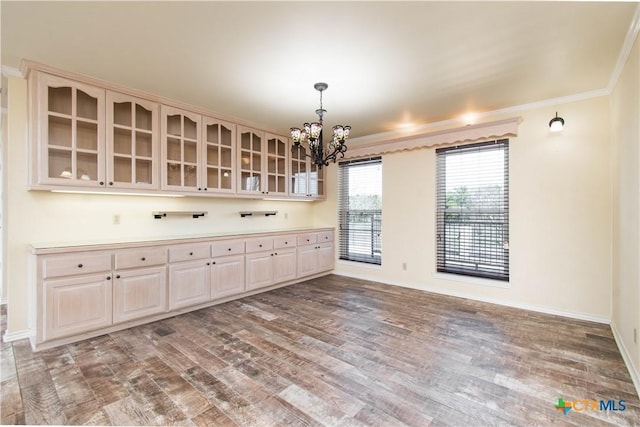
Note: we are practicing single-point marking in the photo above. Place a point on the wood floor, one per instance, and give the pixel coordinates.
(332, 351)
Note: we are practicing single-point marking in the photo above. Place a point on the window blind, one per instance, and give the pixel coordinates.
(360, 210)
(472, 209)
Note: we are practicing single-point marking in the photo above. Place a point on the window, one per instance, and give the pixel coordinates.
(360, 209)
(473, 210)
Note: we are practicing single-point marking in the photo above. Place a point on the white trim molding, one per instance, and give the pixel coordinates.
(633, 372)
(17, 335)
(483, 131)
(625, 50)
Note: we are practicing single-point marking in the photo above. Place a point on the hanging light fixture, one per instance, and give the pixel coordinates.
(556, 124)
(311, 136)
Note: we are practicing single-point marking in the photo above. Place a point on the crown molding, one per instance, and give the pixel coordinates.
(8, 71)
(625, 51)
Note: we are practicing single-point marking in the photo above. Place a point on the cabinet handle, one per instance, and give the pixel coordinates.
(229, 249)
(80, 265)
(199, 189)
(307, 240)
(276, 253)
(143, 259)
(286, 243)
(118, 276)
(101, 182)
(108, 277)
(271, 254)
(208, 263)
(260, 245)
(205, 188)
(191, 253)
(110, 183)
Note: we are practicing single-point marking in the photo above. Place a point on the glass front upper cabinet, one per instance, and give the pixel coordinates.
(276, 168)
(180, 150)
(132, 154)
(70, 133)
(306, 180)
(250, 156)
(218, 156)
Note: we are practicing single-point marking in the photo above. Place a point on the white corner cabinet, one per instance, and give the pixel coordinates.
(92, 135)
(88, 290)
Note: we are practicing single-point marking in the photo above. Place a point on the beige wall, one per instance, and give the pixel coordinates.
(560, 218)
(37, 216)
(625, 108)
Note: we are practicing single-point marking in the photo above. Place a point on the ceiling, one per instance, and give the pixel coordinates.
(388, 64)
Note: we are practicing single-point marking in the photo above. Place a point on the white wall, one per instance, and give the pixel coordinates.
(38, 216)
(560, 217)
(625, 107)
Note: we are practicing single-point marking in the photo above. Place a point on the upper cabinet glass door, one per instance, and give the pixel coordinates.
(219, 154)
(70, 132)
(180, 149)
(250, 147)
(276, 168)
(132, 129)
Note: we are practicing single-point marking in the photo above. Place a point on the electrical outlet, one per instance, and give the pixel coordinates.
(116, 219)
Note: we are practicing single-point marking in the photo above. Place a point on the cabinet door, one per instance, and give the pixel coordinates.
(259, 270)
(250, 155)
(307, 260)
(227, 276)
(188, 283)
(75, 305)
(180, 150)
(132, 142)
(316, 182)
(284, 265)
(70, 133)
(138, 293)
(298, 177)
(276, 160)
(218, 154)
(326, 256)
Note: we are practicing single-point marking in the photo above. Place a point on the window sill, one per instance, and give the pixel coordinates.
(472, 280)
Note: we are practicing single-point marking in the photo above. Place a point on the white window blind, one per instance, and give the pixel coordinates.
(360, 210)
(473, 209)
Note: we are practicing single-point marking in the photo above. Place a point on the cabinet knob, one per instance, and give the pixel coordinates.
(276, 253)
(271, 254)
(191, 253)
(108, 277)
(307, 240)
(205, 188)
(199, 189)
(229, 249)
(260, 245)
(286, 243)
(214, 263)
(80, 265)
(143, 259)
(208, 263)
(110, 183)
(118, 276)
(101, 182)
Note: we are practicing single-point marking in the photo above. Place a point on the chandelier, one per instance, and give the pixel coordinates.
(311, 136)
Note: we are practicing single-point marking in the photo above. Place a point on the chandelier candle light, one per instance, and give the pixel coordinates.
(311, 135)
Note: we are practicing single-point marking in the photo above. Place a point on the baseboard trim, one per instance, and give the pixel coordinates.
(633, 372)
(523, 306)
(15, 336)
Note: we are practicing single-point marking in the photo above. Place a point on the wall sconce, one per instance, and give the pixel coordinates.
(556, 124)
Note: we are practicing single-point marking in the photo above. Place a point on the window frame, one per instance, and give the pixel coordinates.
(476, 227)
(345, 231)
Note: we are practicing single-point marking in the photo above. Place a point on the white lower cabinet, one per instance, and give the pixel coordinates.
(315, 253)
(227, 276)
(80, 292)
(188, 283)
(139, 293)
(75, 305)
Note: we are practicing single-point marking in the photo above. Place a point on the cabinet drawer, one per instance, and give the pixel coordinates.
(307, 239)
(71, 265)
(284, 242)
(187, 252)
(259, 244)
(140, 258)
(229, 247)
(325, 236)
